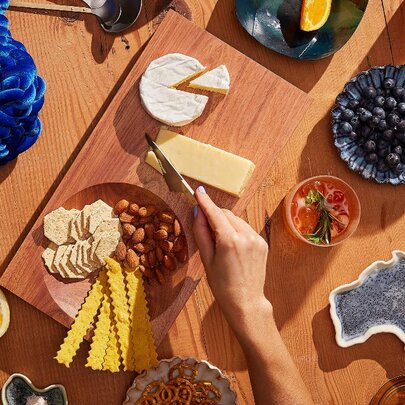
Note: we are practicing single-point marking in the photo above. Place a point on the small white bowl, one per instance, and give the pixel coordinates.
(397, 256)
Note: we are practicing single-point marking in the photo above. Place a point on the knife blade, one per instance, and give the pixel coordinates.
(174, 180)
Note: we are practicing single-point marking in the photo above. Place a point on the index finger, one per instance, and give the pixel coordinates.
(216, 218)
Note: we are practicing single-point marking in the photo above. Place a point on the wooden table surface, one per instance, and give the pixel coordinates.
(83, 68)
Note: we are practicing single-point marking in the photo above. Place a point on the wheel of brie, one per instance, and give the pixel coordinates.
(159, 96)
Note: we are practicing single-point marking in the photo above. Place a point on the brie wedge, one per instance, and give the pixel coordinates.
(203, 162)
(216, 80)
(173, 69)
(170, 106)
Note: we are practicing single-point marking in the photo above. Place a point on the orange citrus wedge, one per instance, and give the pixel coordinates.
(314, 14)
(4, 314)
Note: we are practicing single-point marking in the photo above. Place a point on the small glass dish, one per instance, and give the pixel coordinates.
(391, 393)
(330, 186)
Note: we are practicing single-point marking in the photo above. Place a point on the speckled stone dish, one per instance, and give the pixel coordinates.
(349, 149)
(206, 372)
(374, 303)
(19, 390)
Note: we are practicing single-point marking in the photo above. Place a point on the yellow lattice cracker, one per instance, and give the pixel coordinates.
(144, 350)
(101, 336)
(112, 354)
(80, 325)
(120, 308)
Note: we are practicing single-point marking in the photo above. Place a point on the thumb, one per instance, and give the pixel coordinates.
(203, 238)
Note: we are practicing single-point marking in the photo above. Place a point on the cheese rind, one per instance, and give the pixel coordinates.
(216, 80)
(203, 162)
(172, 69)
(170, 106)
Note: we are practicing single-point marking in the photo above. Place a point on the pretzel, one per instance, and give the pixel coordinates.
(181, 367)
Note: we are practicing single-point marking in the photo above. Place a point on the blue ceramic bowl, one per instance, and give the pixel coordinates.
(275, 24)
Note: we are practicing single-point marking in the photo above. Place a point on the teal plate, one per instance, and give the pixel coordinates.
(276, 24)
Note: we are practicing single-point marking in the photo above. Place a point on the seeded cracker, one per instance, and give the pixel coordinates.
(100, 339)
(74, 232)
(120, 308)
(56, 261)
(103, 212)
(106, 245)
(57, 225)
(143, 344)
(108, 225)
(86, 213)
(81, 324)
(48, 255)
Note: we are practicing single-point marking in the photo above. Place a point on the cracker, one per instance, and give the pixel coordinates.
(120, 308)
(74, 231)
(48, 255)
(83, 259)
(106, 245)
(57, 225)
(98, 216)
(87, 211)
(56, 261)
(108, 225)
(99, 343)
(72, 260)
(68, 268)
(81, 324)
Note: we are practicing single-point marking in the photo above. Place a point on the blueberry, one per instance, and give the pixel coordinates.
(346, 128)
(400, 136)
(390, 103)
(393, 119)
(355, 121)
(399, 168)
(369, 146)
(382, 125)
(373, 122)
(388, 135)
(389, 83)
(365, 131)
(398, 150)
(401, 126)
(374, 136)
(401, 108)
(364, 114)
(379, 112)
(353, 136)
(379, 101)
(347, 114)
(369, 92)
(371, 158)
(398, 92)
(353, 104)
(381, 166)
(382, 152)
(392, 159)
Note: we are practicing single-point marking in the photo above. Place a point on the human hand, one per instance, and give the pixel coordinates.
(234, 257)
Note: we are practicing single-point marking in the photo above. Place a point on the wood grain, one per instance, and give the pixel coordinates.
(83, 67)
(116, 149)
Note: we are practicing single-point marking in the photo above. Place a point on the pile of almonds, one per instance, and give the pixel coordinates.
(153, 239)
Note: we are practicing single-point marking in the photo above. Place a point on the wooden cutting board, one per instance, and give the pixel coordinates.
(254, 120)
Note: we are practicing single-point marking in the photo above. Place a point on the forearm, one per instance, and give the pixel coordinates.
(273, 374)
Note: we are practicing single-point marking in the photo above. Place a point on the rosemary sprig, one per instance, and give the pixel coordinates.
(322, 231)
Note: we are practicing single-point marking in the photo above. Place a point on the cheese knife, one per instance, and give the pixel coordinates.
(174, 180)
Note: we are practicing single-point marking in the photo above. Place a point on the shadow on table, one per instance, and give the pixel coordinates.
(225, 25)
(385, 349)
(5, 170)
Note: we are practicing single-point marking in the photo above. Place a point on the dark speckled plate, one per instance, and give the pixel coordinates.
(275, 24)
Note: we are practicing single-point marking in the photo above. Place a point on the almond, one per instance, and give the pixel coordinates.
(182, 256)
(144, 261)
(166, 245)
(156, 221)
(149, 230)
(177, 228)
(128, 230)
(152, 258)
(140, 248)
(146, 211)
(132, 259)
(133, 209)
(126, 218)
(171, 237)
(144, 220)
(120, 251)
(167, 227)
(160, 277)
(167, 216)
(151, 243)
(159, 254)
(161, 234)
(138, 235)
(146, 271)
(178, 244)
(169, 263)
(120, 207)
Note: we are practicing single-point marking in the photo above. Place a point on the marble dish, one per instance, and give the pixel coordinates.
(19, 389)
(348, 149)
(206, 372)
(374, 303)
(276, 25)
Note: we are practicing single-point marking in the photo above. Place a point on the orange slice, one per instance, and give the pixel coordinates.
(314, 14)
(4, 314)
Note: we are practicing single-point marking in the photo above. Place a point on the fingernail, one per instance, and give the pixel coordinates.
(201, 189)
(195, 210)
